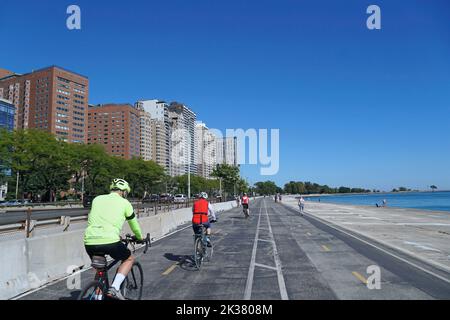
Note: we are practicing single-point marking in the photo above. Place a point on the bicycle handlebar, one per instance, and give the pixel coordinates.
(129, 239)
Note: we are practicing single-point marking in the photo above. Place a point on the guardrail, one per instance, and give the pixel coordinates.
(141, 210)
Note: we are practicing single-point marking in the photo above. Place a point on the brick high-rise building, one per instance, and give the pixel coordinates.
(117, 127)
(51, 99)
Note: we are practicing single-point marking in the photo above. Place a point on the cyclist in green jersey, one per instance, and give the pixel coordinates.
(102, 236)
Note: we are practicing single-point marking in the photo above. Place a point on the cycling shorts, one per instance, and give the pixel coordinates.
(117, 250)
(197, 227)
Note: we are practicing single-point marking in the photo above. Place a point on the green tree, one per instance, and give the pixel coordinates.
(267, 187)
(344, 190)
(433, 187)
(229, 175)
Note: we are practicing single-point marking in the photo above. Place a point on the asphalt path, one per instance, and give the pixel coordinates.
(276, 254)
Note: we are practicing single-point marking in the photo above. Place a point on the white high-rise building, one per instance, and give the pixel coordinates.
(230, 151)
(226, 151)
(183, 153)
(157, 113)
(205, 146)
(146, 133)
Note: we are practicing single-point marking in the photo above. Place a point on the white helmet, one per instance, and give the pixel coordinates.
(204, 195)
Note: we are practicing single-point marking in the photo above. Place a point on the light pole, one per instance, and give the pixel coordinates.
(189, 173)
(82, 186)
(17, 186)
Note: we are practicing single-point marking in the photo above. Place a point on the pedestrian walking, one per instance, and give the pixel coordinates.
(301, 205)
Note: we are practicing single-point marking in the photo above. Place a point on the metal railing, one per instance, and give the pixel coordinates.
(29, 225)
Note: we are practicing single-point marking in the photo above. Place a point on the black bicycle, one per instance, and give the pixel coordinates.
(246, 211)
(131, 288)
(202, 252)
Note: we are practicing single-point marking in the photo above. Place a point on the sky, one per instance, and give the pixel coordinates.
(355, 107)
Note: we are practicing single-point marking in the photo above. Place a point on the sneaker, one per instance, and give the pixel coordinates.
(208, 242)
(115, 294)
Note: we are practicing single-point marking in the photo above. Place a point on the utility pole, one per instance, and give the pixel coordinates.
(220, 187)
(82, 186)
(189, 173)
(17, 186)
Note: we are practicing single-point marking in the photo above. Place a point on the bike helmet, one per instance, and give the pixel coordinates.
(204, 195)
(120, 184)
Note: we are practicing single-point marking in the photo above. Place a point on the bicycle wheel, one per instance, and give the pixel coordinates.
(133, 284)
(209, 252)
(198, 252)
(92, 291)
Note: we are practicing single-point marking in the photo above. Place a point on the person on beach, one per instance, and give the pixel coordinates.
(301, 205)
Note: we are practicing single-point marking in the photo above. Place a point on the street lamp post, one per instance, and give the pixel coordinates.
(220, 187)
(82, 186)
(17, 185)
(189, 173)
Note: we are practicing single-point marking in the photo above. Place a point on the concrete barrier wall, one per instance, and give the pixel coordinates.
(30, 263)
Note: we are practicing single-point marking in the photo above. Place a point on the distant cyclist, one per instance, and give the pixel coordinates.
(245, 202)
(201, 212)
(102, 236)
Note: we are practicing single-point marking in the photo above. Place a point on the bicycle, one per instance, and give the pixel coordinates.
(201, 250)
(131, 288)
(246, 211)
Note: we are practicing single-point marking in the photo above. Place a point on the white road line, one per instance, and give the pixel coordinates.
(251, 269)
(265, 266)
(281, 282)
(264, 240)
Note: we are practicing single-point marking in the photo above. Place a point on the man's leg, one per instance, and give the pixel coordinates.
(119, 251)
(122, 272)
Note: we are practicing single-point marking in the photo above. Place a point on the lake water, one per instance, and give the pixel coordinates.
(417, 200)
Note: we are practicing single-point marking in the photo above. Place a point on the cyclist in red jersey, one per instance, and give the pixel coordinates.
(245, 201)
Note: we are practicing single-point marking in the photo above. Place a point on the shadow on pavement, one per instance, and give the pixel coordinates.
(185, 262)
(73, 295)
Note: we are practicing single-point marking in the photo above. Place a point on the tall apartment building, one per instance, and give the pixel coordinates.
(230, 151)
(158, 113)
(51, 99)
(205, 146)
(117, 127)
(7, 110)
(182, 121)
(226, 151)
(146, 142)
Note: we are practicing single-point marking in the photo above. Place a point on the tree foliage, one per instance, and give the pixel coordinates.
(48, 167)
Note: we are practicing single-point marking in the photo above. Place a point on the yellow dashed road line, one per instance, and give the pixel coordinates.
(171, 268)
(359, 277)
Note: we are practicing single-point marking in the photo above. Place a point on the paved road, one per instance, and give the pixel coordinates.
(276, 254)
(12, 217)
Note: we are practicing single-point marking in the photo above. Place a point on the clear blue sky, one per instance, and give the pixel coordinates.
(354, 107)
